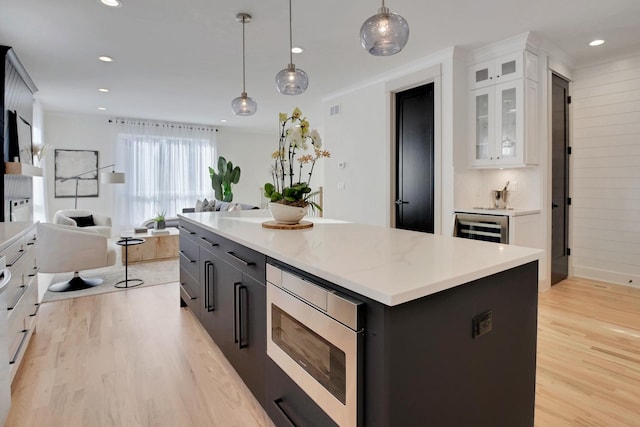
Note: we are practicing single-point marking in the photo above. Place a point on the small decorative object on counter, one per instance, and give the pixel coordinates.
(291, 186)
(160, 223)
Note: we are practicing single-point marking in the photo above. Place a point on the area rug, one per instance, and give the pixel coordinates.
(153, 273)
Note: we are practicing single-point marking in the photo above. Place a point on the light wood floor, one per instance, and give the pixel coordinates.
(588, 367)
(133, 358)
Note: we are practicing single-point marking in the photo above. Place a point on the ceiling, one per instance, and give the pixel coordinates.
(181, 60)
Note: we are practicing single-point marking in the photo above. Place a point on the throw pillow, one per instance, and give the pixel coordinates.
(208, 206)
(83, 221)
(234, 207)
(198, 207)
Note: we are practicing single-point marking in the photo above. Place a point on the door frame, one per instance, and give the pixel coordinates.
(567, 177)
(433, 75)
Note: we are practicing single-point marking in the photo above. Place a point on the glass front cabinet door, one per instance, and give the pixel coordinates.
(502, 121)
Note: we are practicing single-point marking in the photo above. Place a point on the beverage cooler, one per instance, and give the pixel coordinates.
(487, 227)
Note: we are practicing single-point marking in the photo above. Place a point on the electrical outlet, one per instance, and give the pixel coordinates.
(341, 186)
(482, 324)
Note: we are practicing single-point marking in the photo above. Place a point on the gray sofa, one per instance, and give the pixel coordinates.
(219, 206)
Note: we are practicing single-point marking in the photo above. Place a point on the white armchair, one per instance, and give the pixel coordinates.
(63, 248)
(71, 217)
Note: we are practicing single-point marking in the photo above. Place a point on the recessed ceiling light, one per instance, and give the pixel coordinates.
(105, 58)
(596, 43)
(297, 49)
(223, 121)
(102, 108)
(111, 3)
(103, 90)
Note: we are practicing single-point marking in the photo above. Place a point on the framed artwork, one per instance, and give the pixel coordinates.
(73, 166)
(25, 141)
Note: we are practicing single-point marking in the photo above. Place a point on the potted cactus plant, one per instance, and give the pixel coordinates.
(221, 181)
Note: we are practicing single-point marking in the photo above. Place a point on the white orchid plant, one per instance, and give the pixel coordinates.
(290, 186)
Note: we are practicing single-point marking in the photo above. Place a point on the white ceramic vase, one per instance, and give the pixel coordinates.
(285, 214)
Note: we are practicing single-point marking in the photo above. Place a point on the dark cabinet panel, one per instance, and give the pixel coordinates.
(287, 404)
(189, 255)
(217, 279)
(230, 299)
(249, 351)
(190, 292)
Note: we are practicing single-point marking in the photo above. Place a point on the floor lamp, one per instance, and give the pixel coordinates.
(112, 177)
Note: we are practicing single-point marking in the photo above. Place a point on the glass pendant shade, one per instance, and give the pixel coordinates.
(292, 81)
(244, 106)
(384, 34)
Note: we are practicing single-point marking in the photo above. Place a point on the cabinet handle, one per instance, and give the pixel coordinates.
(21, 292)
(35, 313)
(18, 256)
(280, 409)
(187, 258)
(24, 333)
(187, 292)
(186, 229)
(34, 273)
(239, 322)
(209, 303)
(204, 239)
(240, 260)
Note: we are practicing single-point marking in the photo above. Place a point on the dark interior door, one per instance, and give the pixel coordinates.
(414, 161)
(560, 180)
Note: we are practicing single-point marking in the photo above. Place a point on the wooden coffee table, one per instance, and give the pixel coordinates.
(155, 247)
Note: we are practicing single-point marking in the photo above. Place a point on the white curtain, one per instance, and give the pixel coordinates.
(40, 205)
(166, 167)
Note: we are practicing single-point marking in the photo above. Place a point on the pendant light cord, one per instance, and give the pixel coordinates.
(290, 36)
(243, 72)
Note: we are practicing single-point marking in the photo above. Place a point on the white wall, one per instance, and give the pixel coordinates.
(252, 152)
(605, 171)
(78, 132)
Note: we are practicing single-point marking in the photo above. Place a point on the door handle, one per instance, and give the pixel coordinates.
(239, 322)
(401, 202)
(554, 205)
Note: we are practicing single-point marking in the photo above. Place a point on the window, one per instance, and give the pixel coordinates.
(163, 172)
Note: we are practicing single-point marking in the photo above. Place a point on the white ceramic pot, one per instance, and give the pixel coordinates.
(286, 214)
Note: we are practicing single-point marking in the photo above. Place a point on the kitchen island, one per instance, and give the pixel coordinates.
(448, 331)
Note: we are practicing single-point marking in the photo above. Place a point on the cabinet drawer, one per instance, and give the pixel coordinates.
(211, 241)
(188, 231)
(17, 317)
(190, 292)
(22, 272)
(189, 255)
(14, 252)
(247, 260)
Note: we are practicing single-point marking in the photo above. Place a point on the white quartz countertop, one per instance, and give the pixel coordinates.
(493, 211)
(388, 265)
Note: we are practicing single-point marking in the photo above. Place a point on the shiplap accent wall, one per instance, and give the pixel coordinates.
(605, 170)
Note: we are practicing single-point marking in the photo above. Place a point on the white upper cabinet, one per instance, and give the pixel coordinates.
(503, 111)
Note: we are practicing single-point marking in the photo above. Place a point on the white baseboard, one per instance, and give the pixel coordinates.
(630, 280)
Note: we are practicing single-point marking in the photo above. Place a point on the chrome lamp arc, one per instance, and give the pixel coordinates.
(291, 80)
(243, 105)
(385, 33)
(112, 177)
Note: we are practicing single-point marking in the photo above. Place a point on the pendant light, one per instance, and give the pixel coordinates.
(243, 105)
(384, 34)
(291, 80)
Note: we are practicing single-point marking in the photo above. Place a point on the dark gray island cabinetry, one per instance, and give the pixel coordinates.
(445, 333)
(223, 284)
